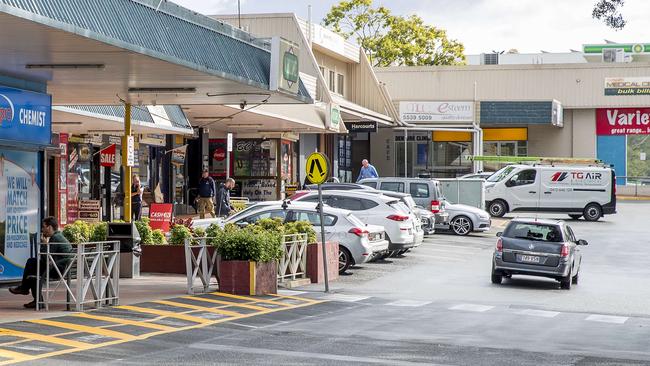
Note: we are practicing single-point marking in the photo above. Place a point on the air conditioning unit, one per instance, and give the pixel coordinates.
(489, 59)
(613, 55)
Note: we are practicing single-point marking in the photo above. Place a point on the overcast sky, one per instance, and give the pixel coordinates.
(482, 25)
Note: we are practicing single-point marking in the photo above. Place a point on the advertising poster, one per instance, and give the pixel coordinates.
(160, 216)
(20, 197)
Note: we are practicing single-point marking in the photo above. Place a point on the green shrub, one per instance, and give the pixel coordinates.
(158, 237)
(238, 205)
(99, 231)
(251, 243)
(178, 234)
(214, 233)
(77, 232)
(301, 227)
(274, 224)
(199, 233)
(144, 229)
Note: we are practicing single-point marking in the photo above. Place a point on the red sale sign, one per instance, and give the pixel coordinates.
(107, 156)
(160, 216)
(622, 121)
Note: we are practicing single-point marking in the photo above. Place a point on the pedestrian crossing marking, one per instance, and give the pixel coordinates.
(13, 355)
(472, 307)
(539, 313)
(283, 296)
(124, 321)
(221, 302)
(607, 319)
(409, 303)
(251, 299)
(45, 338)
(200, 308)
(86, 329)
(169, 314)
(345, 298)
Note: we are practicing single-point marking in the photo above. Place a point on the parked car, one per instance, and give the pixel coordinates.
(479, 175)
(535, 247)
(464, 219)
(403, 230)
(425, 192)
(337, 186)
(358, 242)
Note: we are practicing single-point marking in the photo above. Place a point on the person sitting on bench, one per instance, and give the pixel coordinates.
(58, 244)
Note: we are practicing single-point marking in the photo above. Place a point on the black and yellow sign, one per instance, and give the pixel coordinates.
(317, 168)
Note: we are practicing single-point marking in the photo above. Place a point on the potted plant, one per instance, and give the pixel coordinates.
(159, 255)
(248, 258)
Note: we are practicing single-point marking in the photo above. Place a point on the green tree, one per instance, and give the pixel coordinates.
(391, 39)
(609, 11)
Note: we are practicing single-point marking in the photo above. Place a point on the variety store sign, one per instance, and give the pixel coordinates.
(623, 121)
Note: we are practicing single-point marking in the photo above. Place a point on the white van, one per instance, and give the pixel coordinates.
(588, 191)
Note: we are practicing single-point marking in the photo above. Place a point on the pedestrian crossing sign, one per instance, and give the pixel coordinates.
(317, 168)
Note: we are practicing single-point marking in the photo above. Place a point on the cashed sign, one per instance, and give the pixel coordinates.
(160, 216)
(622, 121)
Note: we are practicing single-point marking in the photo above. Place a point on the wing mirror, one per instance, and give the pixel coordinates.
(582, 242)
(242, 224)
(499, 234)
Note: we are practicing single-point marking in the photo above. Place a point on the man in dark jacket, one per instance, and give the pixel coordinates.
(58, 244)
(206, 193)
(224, 208)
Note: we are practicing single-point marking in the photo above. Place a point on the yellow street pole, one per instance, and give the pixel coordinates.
(125, 165)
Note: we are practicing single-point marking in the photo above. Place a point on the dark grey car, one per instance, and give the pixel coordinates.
(543, 248)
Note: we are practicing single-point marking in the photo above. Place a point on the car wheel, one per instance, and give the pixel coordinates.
(498, 208)
(497, 278)
(575, 278)
(592, 212)
(575, 217)
(345, 259)
(461, 225)
(565, 283)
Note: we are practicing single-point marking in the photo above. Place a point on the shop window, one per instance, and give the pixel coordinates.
(255, 158)
(638, 159)
(392, 186)
(332, 81)
(340, 84)
(419, 190)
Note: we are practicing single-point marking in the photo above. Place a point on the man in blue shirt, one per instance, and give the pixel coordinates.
(207, 192)
(367, 171)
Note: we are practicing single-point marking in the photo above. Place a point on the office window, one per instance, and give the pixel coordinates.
(340, 83)
(332, 81)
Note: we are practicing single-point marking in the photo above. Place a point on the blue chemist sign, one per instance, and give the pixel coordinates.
(25, 116)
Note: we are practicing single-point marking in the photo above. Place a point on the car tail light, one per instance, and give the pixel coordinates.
(565, 251)
(435, 206)
(398, 217)
(499, 245)
(358, 232)
(297, 195)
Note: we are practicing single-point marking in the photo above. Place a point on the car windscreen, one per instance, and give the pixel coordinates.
(501, 174)
(532, 231)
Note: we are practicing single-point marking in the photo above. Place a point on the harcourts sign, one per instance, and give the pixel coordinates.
(436, 111)
(25, 116)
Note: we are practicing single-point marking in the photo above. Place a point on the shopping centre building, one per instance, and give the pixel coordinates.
(590, 104)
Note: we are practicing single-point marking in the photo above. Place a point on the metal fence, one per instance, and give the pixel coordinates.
(634, 186)
(293, 264)
(199, 264)
(91, 276)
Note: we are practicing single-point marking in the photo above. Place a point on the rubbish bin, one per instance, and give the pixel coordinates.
(129, 238)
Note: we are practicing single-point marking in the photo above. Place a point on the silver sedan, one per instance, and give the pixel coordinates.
(464, 219)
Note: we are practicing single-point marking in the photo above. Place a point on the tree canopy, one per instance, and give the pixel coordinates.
(609, 11)
(390, 39)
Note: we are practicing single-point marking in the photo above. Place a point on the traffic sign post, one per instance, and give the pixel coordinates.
(318, 168)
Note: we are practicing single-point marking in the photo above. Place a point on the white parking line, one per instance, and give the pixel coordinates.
(539, 313)
(409, 303)
(472, 307)
(291, 292)
(344, 298)
(607, 319)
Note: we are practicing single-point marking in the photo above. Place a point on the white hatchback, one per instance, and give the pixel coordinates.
(402, 228)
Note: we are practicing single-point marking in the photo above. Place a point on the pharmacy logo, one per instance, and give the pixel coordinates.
(559, 176)
(6, 110)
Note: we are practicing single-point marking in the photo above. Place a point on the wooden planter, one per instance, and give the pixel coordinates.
(248, 278)
(315, 262)
(164, 258)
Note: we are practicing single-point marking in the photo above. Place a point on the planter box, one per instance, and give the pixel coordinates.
(315, 262)
(248, 278)
(164, 258)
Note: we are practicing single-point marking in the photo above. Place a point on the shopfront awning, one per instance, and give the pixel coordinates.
(162, 120)
(145, 52)
(352, 112)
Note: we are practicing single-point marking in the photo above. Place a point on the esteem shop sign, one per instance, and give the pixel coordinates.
(436, 111)
(622, 121)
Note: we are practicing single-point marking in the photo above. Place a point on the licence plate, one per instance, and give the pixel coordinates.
(529, 258)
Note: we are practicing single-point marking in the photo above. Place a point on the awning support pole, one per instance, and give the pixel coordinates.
(406, 153)
(126, 168)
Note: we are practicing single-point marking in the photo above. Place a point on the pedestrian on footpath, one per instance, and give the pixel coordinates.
(136, 198)
(207, 192)
(224, 207)
(367, 171)
(58, 244)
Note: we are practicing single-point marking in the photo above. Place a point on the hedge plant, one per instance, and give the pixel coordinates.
(178, 234)
(78, 232)
(158, 237)
(144, 229)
